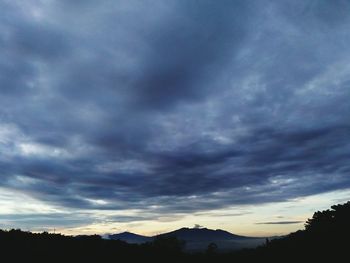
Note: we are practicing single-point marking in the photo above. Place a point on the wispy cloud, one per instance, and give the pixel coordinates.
(279, 223)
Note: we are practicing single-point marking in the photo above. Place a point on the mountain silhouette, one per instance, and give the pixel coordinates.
(130, 238)
(196, 238)
(202, 234)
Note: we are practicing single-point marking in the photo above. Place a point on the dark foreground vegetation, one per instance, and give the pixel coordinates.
(326, 238)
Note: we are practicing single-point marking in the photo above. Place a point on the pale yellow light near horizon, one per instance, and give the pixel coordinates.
(246, 220)
(299, 209)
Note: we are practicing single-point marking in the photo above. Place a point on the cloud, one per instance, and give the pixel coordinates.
(43, 221)
(173, 107)
(280, 223)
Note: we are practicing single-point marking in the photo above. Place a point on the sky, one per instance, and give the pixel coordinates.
(148, 116)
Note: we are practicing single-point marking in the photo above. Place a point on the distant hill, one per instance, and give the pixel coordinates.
(197, 238)
(130, 238)
(202, 234)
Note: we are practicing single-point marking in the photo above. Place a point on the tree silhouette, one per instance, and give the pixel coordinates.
(169, 244)
(336, 219)
(212, 249)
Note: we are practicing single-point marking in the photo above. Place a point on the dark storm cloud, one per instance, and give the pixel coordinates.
(174, 107)
(190, 52)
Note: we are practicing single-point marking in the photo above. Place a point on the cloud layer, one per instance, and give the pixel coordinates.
(176, 106)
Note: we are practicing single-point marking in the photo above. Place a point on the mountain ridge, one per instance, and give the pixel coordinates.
(202, 234)
(130, 237)
(196, 238)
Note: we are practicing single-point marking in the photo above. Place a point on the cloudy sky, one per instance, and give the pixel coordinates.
(151, 115)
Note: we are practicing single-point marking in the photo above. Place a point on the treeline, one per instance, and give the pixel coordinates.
(20, 246)
(326, 238)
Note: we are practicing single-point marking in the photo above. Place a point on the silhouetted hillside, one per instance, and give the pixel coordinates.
(130, 238)
(325, 239)
(202, 234)
(197, 239)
